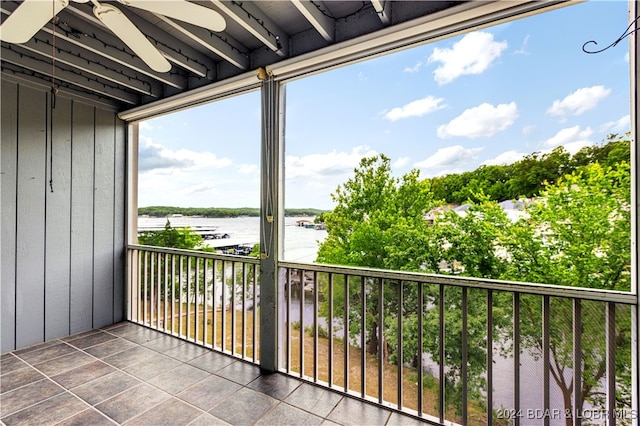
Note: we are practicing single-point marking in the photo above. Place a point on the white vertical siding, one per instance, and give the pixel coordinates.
(62, 251)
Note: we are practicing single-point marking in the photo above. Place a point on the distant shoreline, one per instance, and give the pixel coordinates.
(217, 212)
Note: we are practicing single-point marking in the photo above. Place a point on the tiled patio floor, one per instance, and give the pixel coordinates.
(129, 374)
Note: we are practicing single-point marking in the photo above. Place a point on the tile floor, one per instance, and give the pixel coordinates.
(129, 374)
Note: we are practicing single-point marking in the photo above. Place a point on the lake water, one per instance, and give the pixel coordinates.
(300, 245)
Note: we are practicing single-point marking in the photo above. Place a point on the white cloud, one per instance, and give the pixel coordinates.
(619, 126)
(523, 48)
(248, 169)
(205, 186)
(145, 125)
(414, 68)
(333, 163)
(473, 54)
(416, 108)
(571, 138)
(311, 179)
(484, 120)
(508, 157)
(528, 129)
(448, 157)
(401, 162)
(156, 157)
(580, 101)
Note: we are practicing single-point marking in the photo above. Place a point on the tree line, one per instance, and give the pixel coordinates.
(528, 176)
(218, 212)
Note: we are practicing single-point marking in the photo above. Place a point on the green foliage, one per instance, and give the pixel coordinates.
(255, 251)
(182, 238)
(528, 176)
(471, 242)
(378, 220)
(322, 331)
(578, 234)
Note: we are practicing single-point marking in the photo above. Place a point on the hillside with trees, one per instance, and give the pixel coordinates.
(527, 177)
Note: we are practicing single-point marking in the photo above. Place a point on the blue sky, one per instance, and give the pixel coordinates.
(489, 96)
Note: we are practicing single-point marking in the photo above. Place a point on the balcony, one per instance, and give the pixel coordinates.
(191, 349)
(189, 352)
(96, 330)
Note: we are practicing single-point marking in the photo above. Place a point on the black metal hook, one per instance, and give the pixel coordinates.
(622, 37)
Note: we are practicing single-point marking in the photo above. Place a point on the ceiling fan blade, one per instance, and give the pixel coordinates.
(121, 26)
(28, 18)
(182, 10)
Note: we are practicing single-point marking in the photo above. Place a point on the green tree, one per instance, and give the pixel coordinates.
(578, 234)
(182, 238)
(377, 222)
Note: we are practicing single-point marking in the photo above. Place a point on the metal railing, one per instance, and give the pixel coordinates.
(450, 349)
(446, 349)
(205, 298)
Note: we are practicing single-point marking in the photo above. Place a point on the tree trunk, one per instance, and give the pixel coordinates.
(372, 344)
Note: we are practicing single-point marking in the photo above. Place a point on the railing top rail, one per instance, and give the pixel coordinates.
(203, 254)
(622, 297)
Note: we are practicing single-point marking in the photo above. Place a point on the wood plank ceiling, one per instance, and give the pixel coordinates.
(78, 55)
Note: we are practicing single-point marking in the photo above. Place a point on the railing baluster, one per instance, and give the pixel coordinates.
(363, 338)
(173, 293)
(152, 279)
(205, 301)
(400, 342)
(420, 346)
(465, 354)
(165, 295)
(330, 331)
(489, 357)
(346, 333)
(381, 343)
(189, 293)
(610, 324)
(214, 304)
(146, 283)
(577, 361)
(243, 347)
(441, 347)
(180, 307)
(302, 275)
(287, 298)
(315, 326)
(196, 301)
(545, 356)
(223, 307)
(516, 357)
(232, 307)
(158, 288)
(256, 300)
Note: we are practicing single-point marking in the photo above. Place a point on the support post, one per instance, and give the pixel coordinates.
(271, 210)
(634, 50)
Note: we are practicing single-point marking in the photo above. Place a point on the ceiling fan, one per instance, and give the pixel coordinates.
(32, 15)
